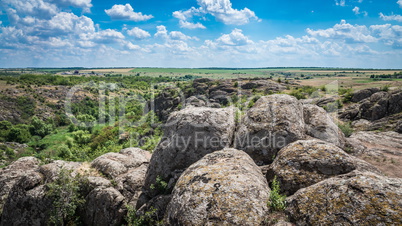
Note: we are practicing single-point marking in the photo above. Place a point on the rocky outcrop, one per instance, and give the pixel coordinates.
(224, 187)
(11, 174)
(377, 106)
(189, 135)
(273, 122)
(353, 199)
(320, 125)
(30, 203)
(381, 149)
(304, 163)
(267, 85)
(363, 94)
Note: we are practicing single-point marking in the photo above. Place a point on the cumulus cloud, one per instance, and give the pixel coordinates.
(163, 33)
(391, 17)
(400, 3)
(138, 33)
(222, 10)
(345, 31)
(340, 3)
(235, 38)
(83, 4)
(356, 10)
(189, 25)
(126, 12)
(389, 34)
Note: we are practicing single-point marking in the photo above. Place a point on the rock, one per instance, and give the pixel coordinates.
(273, 122)
(189, 135)
(223, 188)
(320, 125)
(363, 94)
(361, 124)
(52, 170)
(114, 164)
(130, 184)
(11, 174)
(157, 205)
(398, 127)
(167, 102)
(357, 198)
(196, 102)
(381, 149)
(104, 207)
(264, 84)
(307, 162)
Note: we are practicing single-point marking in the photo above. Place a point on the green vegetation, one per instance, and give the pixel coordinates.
(148, 218)
(346, 128)
(277, 202)
(160, 185)
(66, 193)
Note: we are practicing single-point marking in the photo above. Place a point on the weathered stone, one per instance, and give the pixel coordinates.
(114, 164)
(273, 122)
(357, 198)
(13, 173)
(320, 125)
(189, 135)
(223, 188)
(307, 162)
(363, 94)
(104, 206)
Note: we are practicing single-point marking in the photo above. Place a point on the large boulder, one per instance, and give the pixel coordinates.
(29, 201)
(223, 188)
(189, 135)
(273, 122)
(13, 173)
(357, 198)
(381, 149)
(307, 162)
(320, 125)
(363, 94)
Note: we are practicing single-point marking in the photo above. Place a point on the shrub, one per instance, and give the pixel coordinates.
(160, 185)
(67, 198)
(276, 201)
(148, 218)
(346, 128)
(40, 128)
(20, 134)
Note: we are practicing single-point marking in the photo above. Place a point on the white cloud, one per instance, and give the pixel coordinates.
(235, 38)
(389, 34)
(340, 3)
(36, 8)
(222, 11)
(400, 3)
(126, 12)
(188, 25)
(344, 31)
(83, 4)
(138, 33)
(108, 36)
(131, 46)
(392, 17)
(163, 33)
(356, 10)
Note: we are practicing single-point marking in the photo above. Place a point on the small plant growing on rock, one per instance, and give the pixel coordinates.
(148, 218)
(346, 129)
(160, 185)
(276, 201)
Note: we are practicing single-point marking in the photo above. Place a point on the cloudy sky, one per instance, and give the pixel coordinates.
(201, 33)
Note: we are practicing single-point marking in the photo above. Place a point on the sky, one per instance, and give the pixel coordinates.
(201, 33)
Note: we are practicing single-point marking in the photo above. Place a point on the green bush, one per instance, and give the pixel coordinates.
(67, 195)
(346, 128)
(20, 134)
(277, 202)
(160, 185)
(148, 218)
(40, 128)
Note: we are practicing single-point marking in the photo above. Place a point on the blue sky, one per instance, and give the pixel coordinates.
(201, 33)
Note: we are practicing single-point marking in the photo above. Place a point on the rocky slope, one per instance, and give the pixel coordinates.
(195, 176)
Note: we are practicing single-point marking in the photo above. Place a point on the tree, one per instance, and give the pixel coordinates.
(5, 127)
(20, 134)
(40, 128)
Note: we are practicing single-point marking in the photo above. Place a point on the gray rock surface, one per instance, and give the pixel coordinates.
(320, 125)
(27, 185)
(304, 163)
(223, 188)
(353, 199)
(363, 94)
(273, 122)
(189, 135)
(11, 174)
